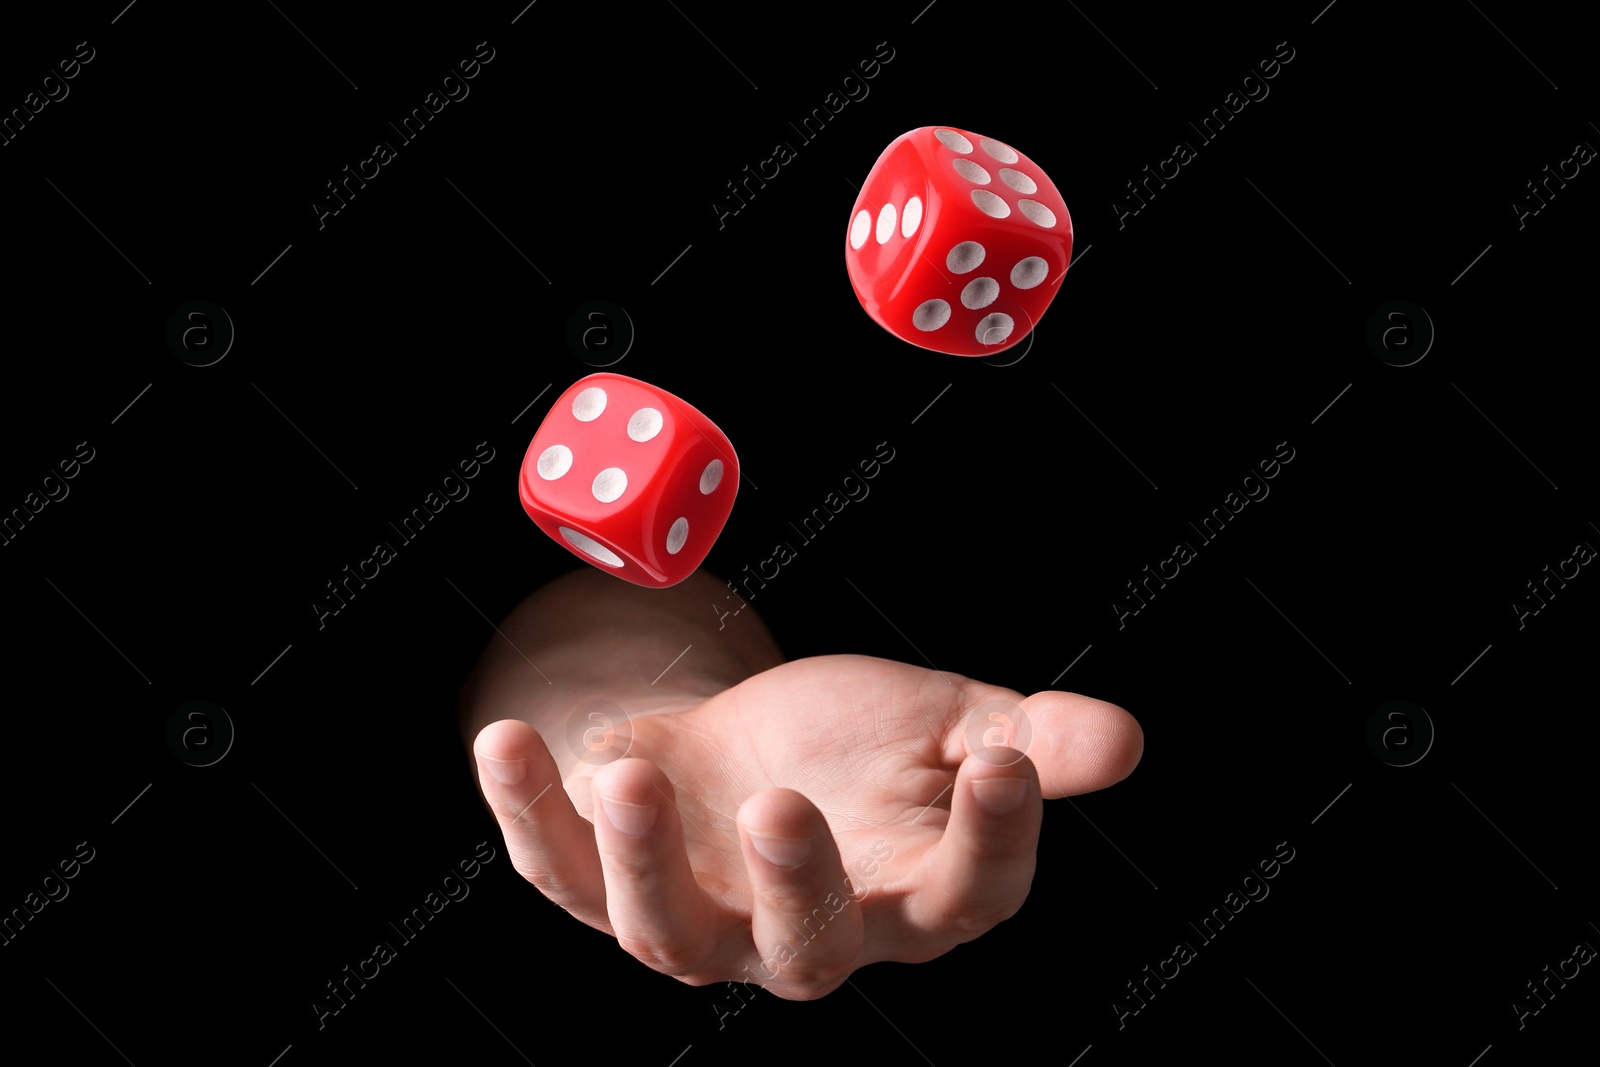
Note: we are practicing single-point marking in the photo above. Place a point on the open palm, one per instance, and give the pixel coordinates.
(816, 817)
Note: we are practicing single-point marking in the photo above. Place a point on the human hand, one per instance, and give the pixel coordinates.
(819, 816)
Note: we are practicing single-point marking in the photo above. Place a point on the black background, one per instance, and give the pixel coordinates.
(1186, 343)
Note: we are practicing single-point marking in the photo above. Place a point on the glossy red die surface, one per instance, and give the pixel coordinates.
(630, 478)
(957, 242)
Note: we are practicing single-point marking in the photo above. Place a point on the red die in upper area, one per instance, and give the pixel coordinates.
(957, 242)
(630, 478)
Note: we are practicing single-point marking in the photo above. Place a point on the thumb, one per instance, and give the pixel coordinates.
(1080, 744)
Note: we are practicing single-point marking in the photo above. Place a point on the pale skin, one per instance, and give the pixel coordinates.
(782, 823)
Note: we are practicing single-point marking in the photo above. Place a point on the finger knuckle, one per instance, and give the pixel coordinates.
(557, 889)
(679, 959)
(633, 865)
(800, 902)
(816, 985)
(700, 979)
(538, 873)
(970, 918)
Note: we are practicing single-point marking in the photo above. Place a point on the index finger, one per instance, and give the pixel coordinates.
(549, 843)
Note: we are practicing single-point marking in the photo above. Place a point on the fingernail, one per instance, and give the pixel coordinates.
(635, 820)
(999, 796)
(505, 771)
(781, 851)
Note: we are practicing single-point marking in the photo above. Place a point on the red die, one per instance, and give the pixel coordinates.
(630, 478)
(957, 242)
